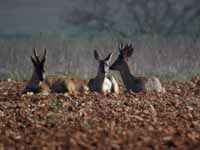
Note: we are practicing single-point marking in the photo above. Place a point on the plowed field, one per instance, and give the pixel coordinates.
(96, 121)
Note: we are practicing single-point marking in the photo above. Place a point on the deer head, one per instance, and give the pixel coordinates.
(103, 63)
(38, 64)
(124, 53)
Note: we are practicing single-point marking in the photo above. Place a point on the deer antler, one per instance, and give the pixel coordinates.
(130, 45)
(44, 55)
(96, 55)
(126, 47)
(120, 46)
(35, 54)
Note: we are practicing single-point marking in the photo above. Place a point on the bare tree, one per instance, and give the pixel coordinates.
(163, 17)
(146, 16)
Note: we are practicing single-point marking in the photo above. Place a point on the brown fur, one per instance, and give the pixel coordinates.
(52, 83)
(136, 84)
(102, 83)
(62, 84)
(36, 84)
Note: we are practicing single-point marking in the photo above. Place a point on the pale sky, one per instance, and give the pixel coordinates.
(30, 15)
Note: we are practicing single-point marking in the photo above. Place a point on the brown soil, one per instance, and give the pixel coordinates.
(105, 122)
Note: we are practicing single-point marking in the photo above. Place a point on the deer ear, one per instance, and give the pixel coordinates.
(44, 56)
(120, 46)
(109, 57)
(33, 60)
(34, 53)
(96, 55)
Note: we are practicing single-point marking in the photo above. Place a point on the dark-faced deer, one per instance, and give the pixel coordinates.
(136, 84)
(102, 83)
(36, 84)
(53, 83)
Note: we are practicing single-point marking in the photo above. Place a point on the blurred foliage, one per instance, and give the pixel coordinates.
(55, 103)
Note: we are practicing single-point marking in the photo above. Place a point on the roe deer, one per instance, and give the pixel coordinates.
(102, 83)
(136, 84)
(36, 84)
(52, 83)
(63, 84)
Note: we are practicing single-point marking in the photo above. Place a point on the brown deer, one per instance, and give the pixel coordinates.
(102, 83)
(136, 84)
(52, 83)
(36, 83)
(64, 84)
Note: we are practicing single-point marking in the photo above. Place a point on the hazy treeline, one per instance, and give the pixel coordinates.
(127, 17)
(165, 36)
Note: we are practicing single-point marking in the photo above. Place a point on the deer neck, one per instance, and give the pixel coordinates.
(127, 77)
(35, 79)
(100, 80)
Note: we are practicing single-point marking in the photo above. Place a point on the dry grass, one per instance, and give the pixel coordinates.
(169, 58)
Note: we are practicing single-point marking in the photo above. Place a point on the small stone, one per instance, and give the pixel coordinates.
(9, 79)
(178, 90)
(167, 138)
(29, 93)
(18, 137)
(1, 113)
(5, 93)
(190, 108)
(66, 94)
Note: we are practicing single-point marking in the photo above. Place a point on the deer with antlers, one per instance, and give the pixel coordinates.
(36, 84)
(102, 83)
(136, 84)
(52, 83)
